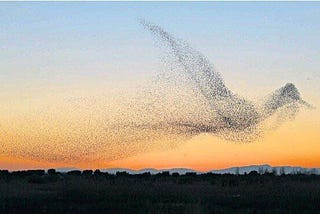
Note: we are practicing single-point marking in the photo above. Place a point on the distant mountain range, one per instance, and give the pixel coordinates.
(261, 169)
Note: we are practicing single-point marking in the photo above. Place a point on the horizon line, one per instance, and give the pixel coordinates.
(159, 169)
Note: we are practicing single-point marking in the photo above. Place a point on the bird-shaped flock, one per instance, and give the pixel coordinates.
(234, 114)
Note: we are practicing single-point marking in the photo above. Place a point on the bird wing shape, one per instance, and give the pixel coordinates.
(233, 109)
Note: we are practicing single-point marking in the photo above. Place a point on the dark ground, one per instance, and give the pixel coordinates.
(87, 192)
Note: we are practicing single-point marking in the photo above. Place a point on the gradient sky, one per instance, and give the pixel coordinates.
(52, 52)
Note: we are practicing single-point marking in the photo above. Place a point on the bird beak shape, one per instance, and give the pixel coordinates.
(306, 104)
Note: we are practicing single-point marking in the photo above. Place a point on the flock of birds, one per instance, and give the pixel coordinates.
(233, 117)
(148, 123)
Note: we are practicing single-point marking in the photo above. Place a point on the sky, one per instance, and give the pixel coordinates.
(69, 68)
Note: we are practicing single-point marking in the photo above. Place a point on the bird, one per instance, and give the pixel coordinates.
(234, 112)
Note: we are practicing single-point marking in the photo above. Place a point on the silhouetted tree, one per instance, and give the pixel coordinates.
(35, 172)
(97, 172)
(51, 172)
(313, 171)
(87, 172)
(124, 174)
(4, 173)
(29, 172)
(74, 172)
(175, 174)
(191, 174)
(163, 174)
(253, 173)
(144, 175)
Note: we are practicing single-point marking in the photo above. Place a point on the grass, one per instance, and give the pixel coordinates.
(96, 193)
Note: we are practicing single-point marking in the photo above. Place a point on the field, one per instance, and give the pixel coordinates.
(96, 192)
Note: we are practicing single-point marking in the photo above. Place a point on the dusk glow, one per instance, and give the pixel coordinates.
(90, 85)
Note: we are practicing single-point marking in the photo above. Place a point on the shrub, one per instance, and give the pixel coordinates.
(87, 172)
(52, 171)
(74, 172)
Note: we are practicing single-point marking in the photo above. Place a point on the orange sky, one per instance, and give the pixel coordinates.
(65, 81)
(292, 144)
(295, 143)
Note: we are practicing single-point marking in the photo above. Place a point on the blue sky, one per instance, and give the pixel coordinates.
(256, 46)
(53, 51)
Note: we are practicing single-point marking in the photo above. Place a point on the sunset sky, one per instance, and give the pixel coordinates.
(69, 70)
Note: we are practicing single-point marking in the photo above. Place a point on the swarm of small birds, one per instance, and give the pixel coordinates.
(187, 99)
